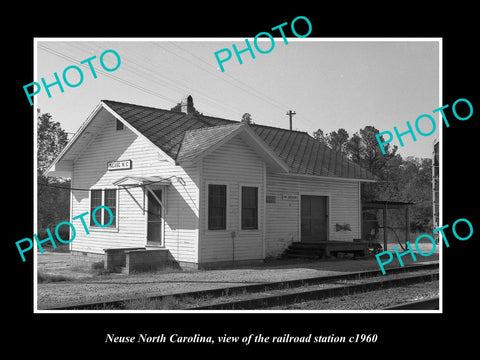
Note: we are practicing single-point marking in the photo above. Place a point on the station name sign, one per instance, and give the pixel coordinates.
(294, 197)
(119, 165)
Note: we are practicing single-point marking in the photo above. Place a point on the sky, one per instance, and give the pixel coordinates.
(328, 83)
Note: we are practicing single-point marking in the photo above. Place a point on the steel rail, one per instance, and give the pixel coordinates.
(262, 301)
(424, 304)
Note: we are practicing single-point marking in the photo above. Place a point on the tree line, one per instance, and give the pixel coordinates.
(399, 179)
(53, 198)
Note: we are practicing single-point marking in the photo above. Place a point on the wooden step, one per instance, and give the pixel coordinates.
(299, 245)
(302, 256)
(325, 248)
(303, 252)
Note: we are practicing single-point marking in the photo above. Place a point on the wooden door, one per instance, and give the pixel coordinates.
(154, 219)
(313, 215)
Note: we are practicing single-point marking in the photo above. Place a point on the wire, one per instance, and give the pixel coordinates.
(196, 65)
(141, 71)
(261, 95)
(116, 78)
(266, 97)
(282, 107)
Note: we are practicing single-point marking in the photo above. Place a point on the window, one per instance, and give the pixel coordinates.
(95, 200)
(217, 207)
(111, 203)
(249, 207)
(119, 125)
(107, 197)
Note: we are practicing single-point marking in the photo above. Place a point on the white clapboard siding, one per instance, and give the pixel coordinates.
(181, 217)
(234, 164)
(90, 170)
(283, 216)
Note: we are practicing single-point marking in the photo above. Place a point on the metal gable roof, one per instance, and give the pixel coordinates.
(301, 152)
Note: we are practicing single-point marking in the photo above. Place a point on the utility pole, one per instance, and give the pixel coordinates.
(290, 113)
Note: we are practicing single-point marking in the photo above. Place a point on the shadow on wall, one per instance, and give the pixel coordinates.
(179, 214)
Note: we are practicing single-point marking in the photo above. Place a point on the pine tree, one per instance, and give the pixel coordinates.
(53, 205)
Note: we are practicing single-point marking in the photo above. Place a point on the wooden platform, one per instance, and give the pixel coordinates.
(320, 249)
(333, 247)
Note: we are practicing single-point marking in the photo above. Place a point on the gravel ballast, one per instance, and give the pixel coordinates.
(372, 300)
(90, 288)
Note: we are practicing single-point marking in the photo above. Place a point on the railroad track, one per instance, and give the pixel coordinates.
(264, 295)
(284, 297)
(424, 304)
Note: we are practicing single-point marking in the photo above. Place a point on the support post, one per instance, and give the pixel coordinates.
(155, 196)
(407, 224)
(385, 227)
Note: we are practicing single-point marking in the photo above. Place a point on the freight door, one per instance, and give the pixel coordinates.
(314, 216)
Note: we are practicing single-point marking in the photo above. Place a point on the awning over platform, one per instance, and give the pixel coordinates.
(146, 182)
(142, 180)
(382, 204)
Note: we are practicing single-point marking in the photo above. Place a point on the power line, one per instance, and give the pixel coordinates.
(265, 97)
(217, 75)
(222, 77)
(140, 70)
(116, 78)
(137, 69)
(196, 65)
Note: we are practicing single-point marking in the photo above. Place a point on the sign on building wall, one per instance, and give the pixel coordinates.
(295, 197)
(271, 199)
(119, 165)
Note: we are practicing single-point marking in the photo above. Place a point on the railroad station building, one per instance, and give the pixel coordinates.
(202, 191)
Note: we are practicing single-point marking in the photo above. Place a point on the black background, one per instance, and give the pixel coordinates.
(60, 335)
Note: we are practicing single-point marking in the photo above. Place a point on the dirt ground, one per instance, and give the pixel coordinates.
(82, 285)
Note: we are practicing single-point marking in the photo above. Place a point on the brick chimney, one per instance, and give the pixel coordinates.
(186, 106)
(247, 119)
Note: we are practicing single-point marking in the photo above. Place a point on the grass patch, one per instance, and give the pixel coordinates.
(167, 269)
(165, 303)
(98, 269)
(43, 277)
